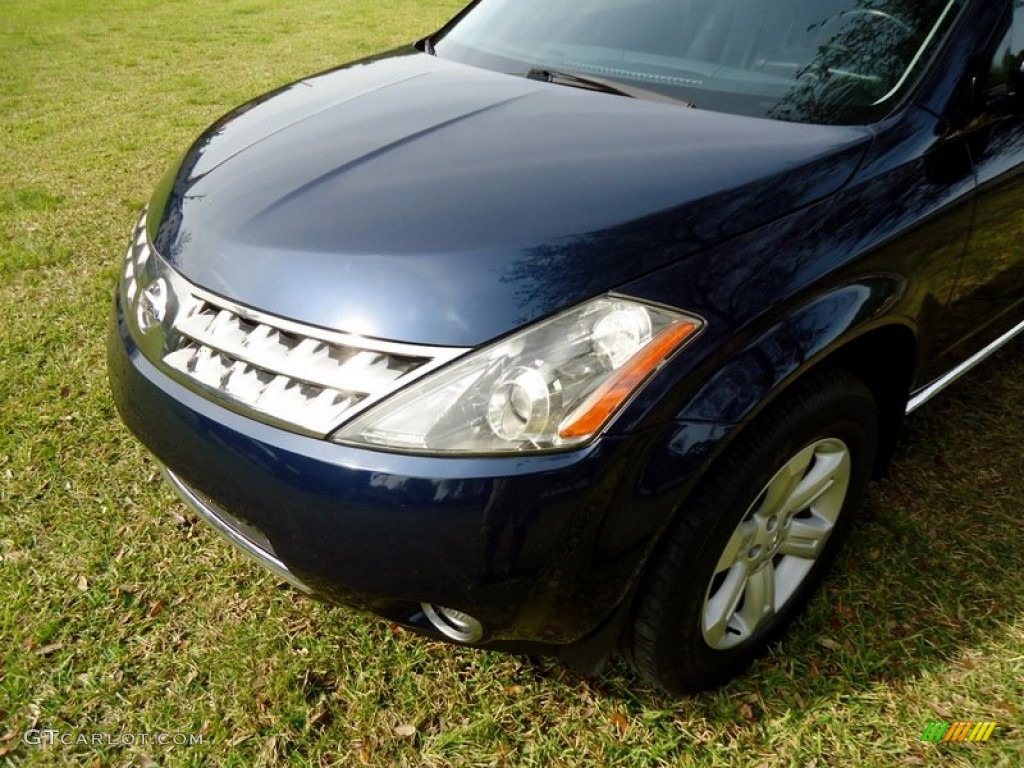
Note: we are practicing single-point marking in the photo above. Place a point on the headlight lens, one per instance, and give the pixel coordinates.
(554, 385)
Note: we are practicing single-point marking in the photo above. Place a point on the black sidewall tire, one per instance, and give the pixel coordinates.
(667, 645)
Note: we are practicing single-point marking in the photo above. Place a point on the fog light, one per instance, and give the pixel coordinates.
(453, 624)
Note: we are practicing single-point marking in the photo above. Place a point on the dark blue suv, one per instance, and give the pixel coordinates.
(581, 324)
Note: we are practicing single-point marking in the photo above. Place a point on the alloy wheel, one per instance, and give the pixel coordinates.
(775, 545)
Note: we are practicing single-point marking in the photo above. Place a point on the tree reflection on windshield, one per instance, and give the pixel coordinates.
(864, 57)
(827, 61)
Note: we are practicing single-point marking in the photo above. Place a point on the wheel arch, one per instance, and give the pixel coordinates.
(855, 327)
(884, 358)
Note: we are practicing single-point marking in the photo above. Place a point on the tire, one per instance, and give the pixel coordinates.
(747, 548)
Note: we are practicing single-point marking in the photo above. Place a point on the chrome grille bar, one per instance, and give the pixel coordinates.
(305, 376)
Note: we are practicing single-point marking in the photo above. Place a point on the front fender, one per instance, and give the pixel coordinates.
(744, 383)
(745, 379)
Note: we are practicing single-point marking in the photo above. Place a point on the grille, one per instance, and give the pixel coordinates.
(311, 378)
(298, 376)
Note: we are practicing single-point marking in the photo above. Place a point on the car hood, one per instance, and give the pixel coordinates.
(421, 200)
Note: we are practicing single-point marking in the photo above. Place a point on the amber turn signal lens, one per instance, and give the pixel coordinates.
(593, 412)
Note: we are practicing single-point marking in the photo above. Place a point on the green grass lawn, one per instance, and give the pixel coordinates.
(120, 613)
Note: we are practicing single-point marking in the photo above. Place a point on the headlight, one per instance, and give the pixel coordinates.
(553, 385)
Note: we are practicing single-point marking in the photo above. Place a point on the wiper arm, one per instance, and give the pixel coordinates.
(578, 81)
(593, 83)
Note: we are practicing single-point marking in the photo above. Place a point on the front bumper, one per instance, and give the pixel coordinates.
(540, 549)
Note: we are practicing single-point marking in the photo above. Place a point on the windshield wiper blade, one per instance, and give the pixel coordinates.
(600, 84)
(578, 81)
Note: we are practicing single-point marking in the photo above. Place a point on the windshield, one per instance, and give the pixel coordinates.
(822, 61)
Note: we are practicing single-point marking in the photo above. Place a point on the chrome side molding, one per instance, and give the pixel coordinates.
(922, 396)
(220, 521)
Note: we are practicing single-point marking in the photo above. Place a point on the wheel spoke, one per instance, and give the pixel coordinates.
(780, 489)
(818, 480)
(720, 607)
(758, 599)
(736, 546)
(806, 537)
